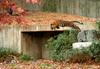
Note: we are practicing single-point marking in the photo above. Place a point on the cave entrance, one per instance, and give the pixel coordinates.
(32, 43)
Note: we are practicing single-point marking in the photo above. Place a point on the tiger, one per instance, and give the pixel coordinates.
(62, 23)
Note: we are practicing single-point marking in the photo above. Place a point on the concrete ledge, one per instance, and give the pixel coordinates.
(80, 45)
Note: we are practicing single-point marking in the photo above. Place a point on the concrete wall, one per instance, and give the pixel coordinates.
(28, 40)
(90, 8)
(33, 43)
(10, 36)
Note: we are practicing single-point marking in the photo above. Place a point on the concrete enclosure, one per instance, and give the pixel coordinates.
(90, 8)
(33, 43)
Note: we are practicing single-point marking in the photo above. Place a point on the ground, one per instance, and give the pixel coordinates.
(36, 17)
(42, 17)
(47, 64)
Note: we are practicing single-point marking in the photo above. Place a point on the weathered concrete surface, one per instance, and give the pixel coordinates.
(10, 36)
(87, 35)
(33, 43)
(90, 8)
(80, 45)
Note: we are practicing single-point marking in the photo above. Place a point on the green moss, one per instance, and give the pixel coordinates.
(25, 57)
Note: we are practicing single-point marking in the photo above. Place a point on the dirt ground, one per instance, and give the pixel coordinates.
(47, 64)
(32, 18)
(46, 18)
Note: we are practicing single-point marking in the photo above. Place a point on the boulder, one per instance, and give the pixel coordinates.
(80, 45)
(87, 36)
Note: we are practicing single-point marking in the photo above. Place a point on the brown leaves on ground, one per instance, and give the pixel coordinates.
(22, 20)
(47, 17)
(47, 64)
(6, 19)
(30, 18)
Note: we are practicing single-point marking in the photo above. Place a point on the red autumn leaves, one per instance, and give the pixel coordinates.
(6, 19)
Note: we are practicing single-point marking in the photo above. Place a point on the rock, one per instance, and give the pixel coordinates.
(87, 36)
(80, 45)
(91, 35)
(81, 36)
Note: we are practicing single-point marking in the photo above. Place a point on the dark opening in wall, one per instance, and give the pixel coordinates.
(33, 43)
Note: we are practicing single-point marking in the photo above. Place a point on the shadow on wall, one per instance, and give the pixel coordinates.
(32, 43)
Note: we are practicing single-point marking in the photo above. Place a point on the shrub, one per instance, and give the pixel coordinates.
(91, 53)
(25, 57)
(57, 45)
(7, 55)
(60, 48)
(78, 55)
(94, 50)
(6, 52)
